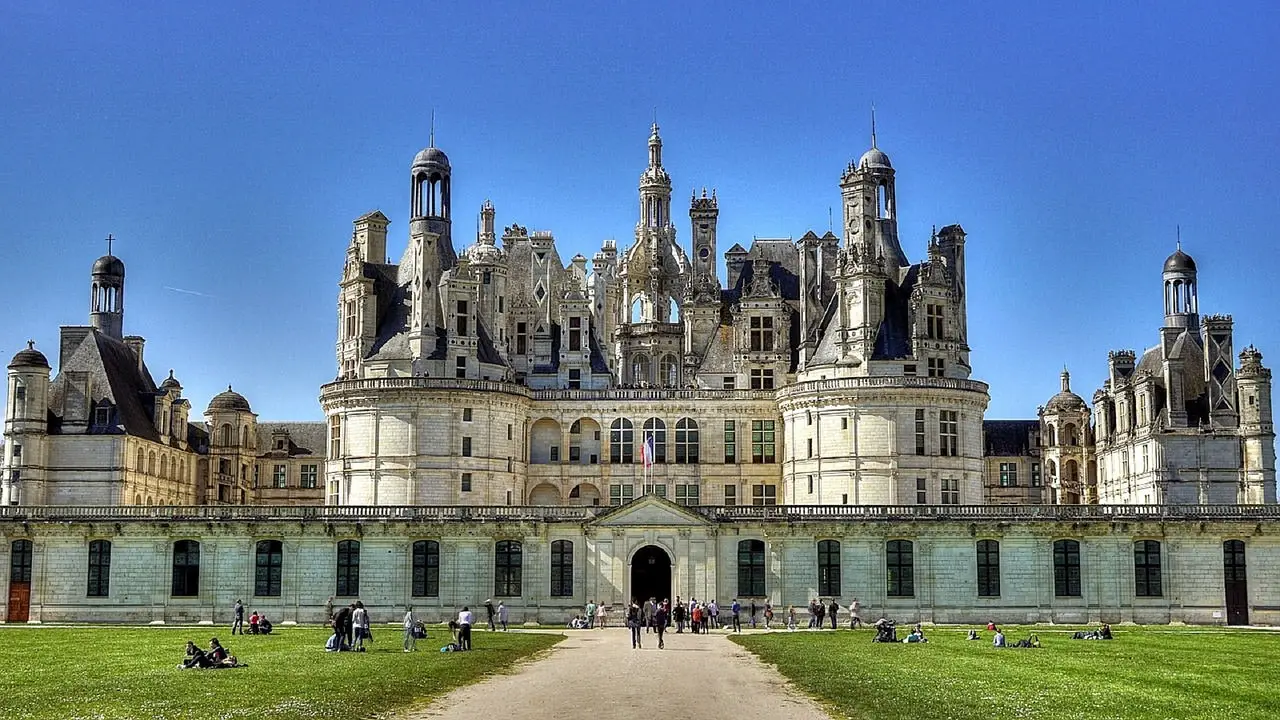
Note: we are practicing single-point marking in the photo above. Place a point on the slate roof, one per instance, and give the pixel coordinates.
(1004, 438)
(115, 376)
(305, 438)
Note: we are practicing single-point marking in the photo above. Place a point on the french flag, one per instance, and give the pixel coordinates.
(646, 452)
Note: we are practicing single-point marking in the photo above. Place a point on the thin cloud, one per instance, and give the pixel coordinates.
(187, 292)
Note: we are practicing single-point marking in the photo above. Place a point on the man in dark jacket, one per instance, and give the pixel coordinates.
(660, 622)
(342, 627)
(488, 607)
(833, 609)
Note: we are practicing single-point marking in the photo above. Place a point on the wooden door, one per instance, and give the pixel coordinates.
(19, 581)
(1236, 582)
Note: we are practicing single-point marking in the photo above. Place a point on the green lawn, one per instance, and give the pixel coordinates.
(108, 673)
(1144, 674)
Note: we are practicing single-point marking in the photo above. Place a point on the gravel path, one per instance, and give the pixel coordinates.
(595, 674)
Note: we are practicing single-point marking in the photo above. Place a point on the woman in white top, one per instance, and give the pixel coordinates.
(410, 625)
(602, 616)
(359, 627)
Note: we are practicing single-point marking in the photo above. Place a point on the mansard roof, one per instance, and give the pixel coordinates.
(1008, 437)
(115, 375)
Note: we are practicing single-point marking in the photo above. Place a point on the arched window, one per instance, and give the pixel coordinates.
(900, 571)
(562, 568)
(244, 436)
(669, 371)
(656, 430)
(151, 463)
(164, 466)
(267, 568)
(99, 568)
(988, 568)
(1069, 436)
(141, 465)
(186, 568)
(621, 441)
(1147, 580)
(426, 568)
(829, 567)
(1053, 436)
(507, 568)
(640, 369)
(687, 441)
(1066, 568)
(348, 569)
(228, 435)
(751, 568)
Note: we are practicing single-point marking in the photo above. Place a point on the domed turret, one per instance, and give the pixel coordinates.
(108, 265)
(874, 158)
(430, 157)
(30, 357)
(1065, 400)
(1181, 296)
(171, 383)
(106, 299)
(229, 401)
(1179, 262)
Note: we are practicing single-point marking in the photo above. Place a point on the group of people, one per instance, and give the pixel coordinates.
(596, 616)
(215, 657)
(258, 622)
(350, 626)
(653, 617)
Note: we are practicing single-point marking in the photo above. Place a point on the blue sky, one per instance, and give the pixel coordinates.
(229, 147)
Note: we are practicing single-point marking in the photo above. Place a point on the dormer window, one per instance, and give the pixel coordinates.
(761, 333)
(102, 416)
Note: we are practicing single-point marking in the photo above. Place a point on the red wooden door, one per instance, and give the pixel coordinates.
(19, 601)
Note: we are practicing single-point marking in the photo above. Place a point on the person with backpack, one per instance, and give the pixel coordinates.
(634, 618)
(736, 609)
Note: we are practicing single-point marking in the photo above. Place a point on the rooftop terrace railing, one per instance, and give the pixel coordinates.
(790, 513)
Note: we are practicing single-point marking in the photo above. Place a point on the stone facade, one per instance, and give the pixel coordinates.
(1062, 565)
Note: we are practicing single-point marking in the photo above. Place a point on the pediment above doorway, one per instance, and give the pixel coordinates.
(651, 511)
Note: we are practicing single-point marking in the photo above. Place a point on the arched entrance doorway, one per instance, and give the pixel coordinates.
(650, 574)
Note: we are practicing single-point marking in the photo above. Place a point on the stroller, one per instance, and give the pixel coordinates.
(886, 632)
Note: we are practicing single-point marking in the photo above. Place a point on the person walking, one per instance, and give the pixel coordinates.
(602, 616)
(237, 622)
(822, 611)
(855, 614)
(736, 609)
(488, 608)
(648, 615)
(833, 608)
(465, 619)
(660, 618)
(678, 614)
(753, 614)
(328, 610)
(348, 619)
(359, 627)
(502, 615)
(715, 615)
(813, 613)
(791, 617)
(591, 614)
(410, 630)
(768, 614)
(634, 617)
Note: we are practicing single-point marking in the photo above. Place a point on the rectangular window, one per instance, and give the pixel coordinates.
(1066, 568)
(268, 568)
(575, 453)
(102, 416)
(922, 492)
(279, 476)
(466, 482)
(844, 423)
(462, 318)
(764, 494)
(909, 370)
(508, 568)
(900, 568)
(522, 338)
(762, 442)
(751, 568)
(655, 489)
(933, 320)
(621, 494)
(1146, 459)
(348, 569)
(687, 494)
(461, 365)
(729, 382)
(351, 319)
(810, 484)
(761, 333)
(920, 432)
(948, 432)
(186, 569)
(335, 437)
(308, 477)
(730, 494)
(335, 491)
(466, 414)
(509, 431)
(810, 449)
(730, 442)
(1008, 474)
(575, 334)
(761, 378)
(575, 379)
(561, 568)
(466, 447)
(937, 367)
(1147, 581)
(950, 491)
(99, 569)
(1035, 474)
(554, 453)
(988, 568)
(426, 568)
(829, 568)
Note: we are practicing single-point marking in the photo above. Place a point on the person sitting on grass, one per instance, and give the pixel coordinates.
(196, 658)
(1104, 632)
(999, 639)
(254, 618)
(916, 636)
(219, 657)
(264, 625)
(973, 635)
